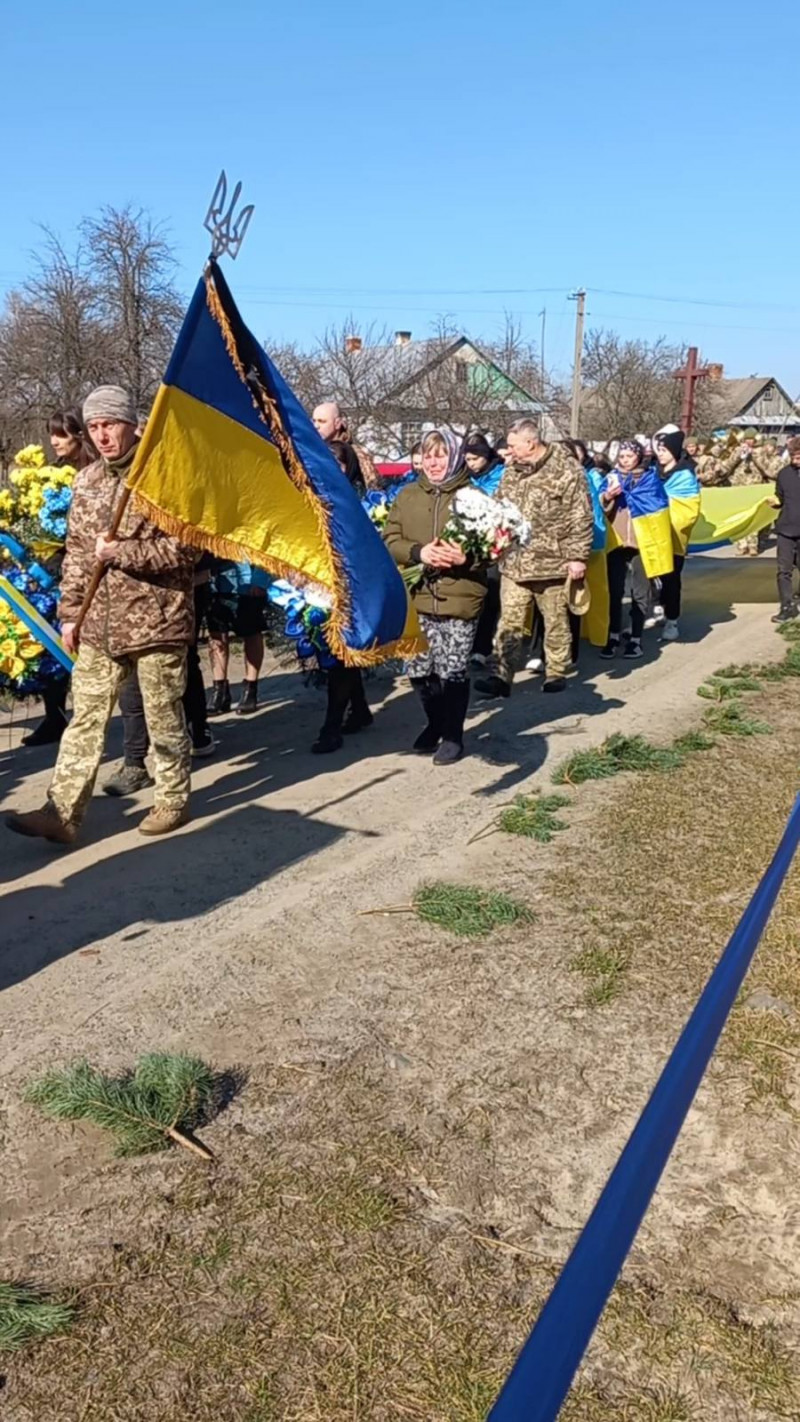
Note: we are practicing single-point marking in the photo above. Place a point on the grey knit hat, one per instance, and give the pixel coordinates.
(110, 402)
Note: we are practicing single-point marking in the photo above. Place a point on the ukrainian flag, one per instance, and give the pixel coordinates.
(230, 462)
(727, 515)
(683, 491)
(649, 506)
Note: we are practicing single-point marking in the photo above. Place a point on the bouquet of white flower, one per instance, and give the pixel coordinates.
(487, 528)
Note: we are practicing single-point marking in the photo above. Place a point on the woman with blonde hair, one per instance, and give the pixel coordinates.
(448, 595)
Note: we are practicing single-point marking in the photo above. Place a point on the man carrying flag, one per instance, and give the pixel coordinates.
(141, 616)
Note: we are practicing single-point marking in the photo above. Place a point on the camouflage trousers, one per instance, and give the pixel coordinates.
(518, 602)
(96, 682)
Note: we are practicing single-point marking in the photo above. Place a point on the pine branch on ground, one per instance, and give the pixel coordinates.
(790, 630)
(534, 816)
(163, 1099)
(693, 741)
(732, 719)
(616, 754)
(724, 688)
(467, 911)
(27, 1315)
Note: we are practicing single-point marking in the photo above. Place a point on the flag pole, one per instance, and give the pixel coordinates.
(227, 229)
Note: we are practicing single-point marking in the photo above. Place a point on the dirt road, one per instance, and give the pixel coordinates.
(239, 936)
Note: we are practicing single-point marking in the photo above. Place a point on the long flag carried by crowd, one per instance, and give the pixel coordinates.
(230, 462)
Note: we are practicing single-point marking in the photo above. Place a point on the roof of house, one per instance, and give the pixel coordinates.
(399, 366)
(733, 399)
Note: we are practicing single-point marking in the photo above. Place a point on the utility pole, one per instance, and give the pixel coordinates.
(690, 374)
(580, 313)
(543, 314)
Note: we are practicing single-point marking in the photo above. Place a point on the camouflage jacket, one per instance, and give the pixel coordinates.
(554, 495)
(710, 470)
(145, 597)
(755, 470)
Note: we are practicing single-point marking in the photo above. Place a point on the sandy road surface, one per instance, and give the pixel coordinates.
(239, 937)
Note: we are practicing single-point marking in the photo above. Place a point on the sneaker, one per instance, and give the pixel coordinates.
(128, 780)
(448, 753)
(203, 747)
(163, 820)
(47, 733)
(356, 721)
(555, 683)
(611, 648)
(785, 614)
(534, 665)
(671, 631)
(633, 650)
(43, 824)
(492, 686)
(327, 742)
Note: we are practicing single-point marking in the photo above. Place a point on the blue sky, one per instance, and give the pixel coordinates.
(449, 157)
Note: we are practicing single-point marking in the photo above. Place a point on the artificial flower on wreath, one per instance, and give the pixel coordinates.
(25, 667)
(35, 506)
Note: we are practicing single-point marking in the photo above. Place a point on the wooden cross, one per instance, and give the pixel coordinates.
(690, 375)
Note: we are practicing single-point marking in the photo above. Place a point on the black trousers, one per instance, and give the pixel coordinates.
(619, 561)
(788, 560)
(490, 615)
(345, 688)
(671, 590)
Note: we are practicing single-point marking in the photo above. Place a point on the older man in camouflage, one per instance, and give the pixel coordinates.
(549, 486)
(142, 616)
(751, 463)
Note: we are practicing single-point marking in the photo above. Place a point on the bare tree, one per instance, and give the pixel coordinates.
(107, 311)
(630, 386)
(132, 266)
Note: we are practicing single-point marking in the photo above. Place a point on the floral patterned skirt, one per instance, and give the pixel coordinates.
(450, 642)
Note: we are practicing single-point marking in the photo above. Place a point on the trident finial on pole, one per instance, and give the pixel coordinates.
(227, 235)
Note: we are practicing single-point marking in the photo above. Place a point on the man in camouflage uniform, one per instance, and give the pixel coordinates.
(141, 616)
(549, 487)
(707, 464)
(749, 465)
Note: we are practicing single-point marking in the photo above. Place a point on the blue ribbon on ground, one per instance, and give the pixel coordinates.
(543, 1372)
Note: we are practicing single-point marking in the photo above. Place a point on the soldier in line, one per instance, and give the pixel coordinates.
(142, 616)
(749, 464)
(548, 485)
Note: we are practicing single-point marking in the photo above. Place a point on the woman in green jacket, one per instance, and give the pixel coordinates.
(448, 596)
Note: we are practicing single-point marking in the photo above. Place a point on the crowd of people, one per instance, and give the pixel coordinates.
(138, 640)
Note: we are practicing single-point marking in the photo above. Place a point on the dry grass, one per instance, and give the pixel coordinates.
(316, 1275)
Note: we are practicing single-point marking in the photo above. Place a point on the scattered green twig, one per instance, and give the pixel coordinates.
(616, 754)
(732, 719)
(160, 1102)
(534, 816)
(468, 911)
(693, 741)
(27, 1315)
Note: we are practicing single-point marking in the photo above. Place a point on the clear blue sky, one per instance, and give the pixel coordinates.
(424, 158)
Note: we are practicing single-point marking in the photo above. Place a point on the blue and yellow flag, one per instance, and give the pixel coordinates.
(649, 507)
(230, 462)
(683, 491)
(727, 515)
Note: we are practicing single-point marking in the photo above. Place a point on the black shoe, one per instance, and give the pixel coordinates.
(356, 721)
(221, 700)
(491, 686)
(633, 650)
(204, 746)
(248, 704)
(427, 740)
(610, 649)
(785, 614)
(555, 683)
(47, 733)
(448, 753)
(326, 742)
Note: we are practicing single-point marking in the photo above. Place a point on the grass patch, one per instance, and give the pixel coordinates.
(468, 911)
(534, 816)
(604, 969)
(589, 1404)
(27, 1316)
(617, 753)
(770, 1046)
(732, 719)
